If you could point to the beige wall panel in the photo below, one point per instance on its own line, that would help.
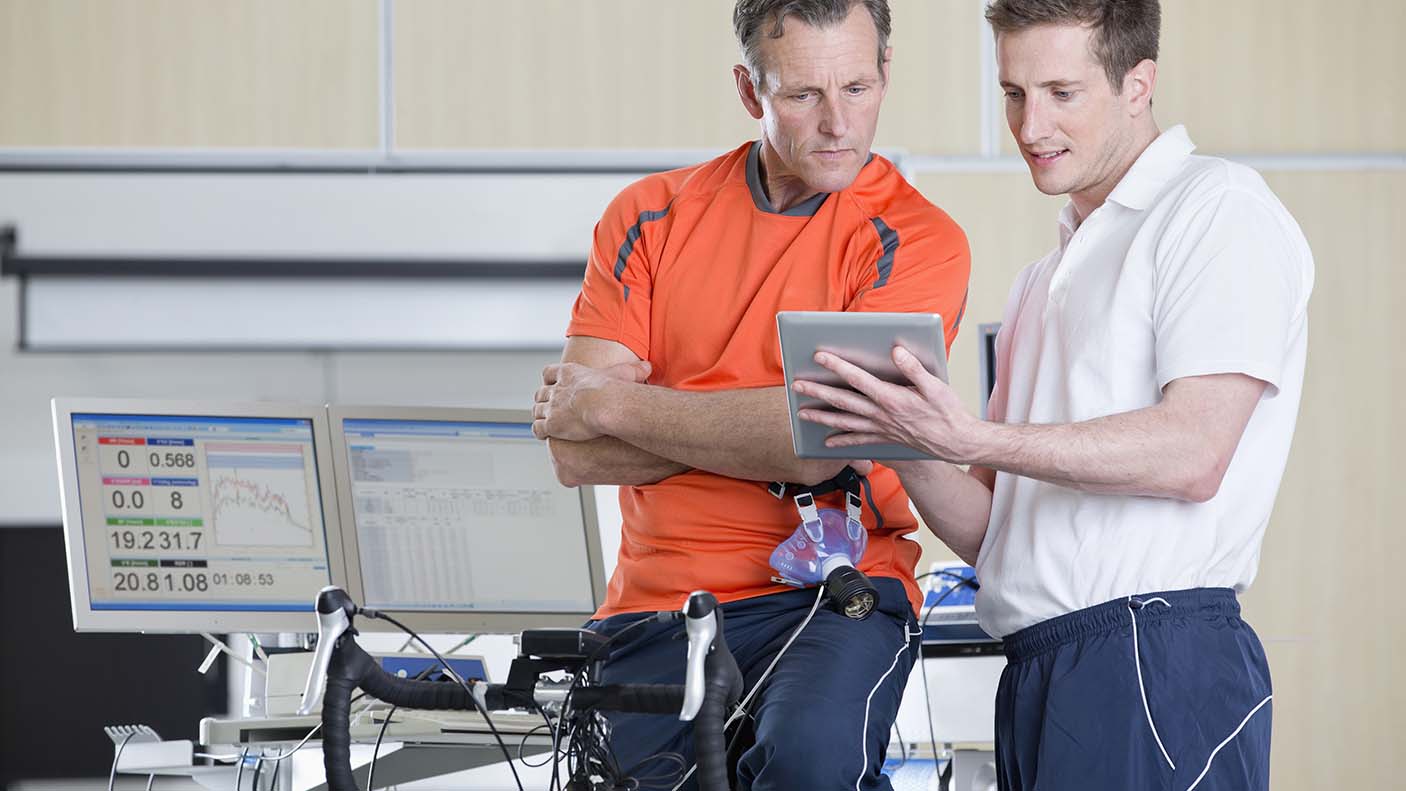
(1270, 77)
(189, 73)
(1326, 600)
(1295, 763)
(1330, 569)
(562, 74)
(932, 105)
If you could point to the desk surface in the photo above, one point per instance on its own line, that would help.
(408, 725)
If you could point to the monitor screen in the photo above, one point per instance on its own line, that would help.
(460, 521)
(215, 521)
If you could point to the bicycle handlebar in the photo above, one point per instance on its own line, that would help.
(352, 667)
(712, 684)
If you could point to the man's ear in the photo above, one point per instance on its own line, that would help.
(1138, 85)
(747, 91)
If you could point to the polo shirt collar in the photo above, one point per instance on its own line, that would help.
(1068, 223)
(1156, 166)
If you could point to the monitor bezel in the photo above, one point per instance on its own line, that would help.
(453, 622)
(86, 619)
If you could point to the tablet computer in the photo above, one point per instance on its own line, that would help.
(866, 339)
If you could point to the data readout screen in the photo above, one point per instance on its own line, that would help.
(464, 516)
(200, 513)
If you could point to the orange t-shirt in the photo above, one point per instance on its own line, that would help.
(688, 269)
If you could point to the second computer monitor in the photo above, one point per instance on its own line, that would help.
(453, 521)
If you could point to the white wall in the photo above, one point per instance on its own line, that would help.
(28, 477)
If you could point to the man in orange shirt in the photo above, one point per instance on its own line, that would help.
(671, 386)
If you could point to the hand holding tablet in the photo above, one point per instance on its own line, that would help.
(867, 340)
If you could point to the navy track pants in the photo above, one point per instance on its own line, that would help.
(1164, 690)
(821, 721)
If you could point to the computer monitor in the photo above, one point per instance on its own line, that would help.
(196, 516)
(454, 521)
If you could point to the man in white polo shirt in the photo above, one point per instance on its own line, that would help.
(1148, 379)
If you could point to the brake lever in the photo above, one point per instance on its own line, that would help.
(335, 610)
(701, 621)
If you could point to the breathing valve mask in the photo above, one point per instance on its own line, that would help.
(824, 550)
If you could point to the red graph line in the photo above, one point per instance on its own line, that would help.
(230, 492)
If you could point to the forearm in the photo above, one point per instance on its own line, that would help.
(954, 504)
(1146, 452)
(607, 460)
(738, 433)
(1178, 448)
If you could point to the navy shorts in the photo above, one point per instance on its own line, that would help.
(821, 721)
(1157, 691)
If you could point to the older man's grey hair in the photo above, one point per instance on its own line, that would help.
(753, 19)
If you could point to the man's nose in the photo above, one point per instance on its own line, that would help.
(1034, 123)
(832, 120)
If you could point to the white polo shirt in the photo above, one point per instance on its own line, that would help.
(1191, 267)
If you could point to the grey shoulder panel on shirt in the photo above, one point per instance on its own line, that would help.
(631, 237)
(888, 237)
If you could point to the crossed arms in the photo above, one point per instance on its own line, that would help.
(604, 425)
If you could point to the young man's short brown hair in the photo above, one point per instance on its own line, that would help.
(1125, 31)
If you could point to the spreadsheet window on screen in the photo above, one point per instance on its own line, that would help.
(199, 513)
(464, 516)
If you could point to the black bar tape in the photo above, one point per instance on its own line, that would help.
(631, 698)
(352, 667)
(411, 694)
(723, 688)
